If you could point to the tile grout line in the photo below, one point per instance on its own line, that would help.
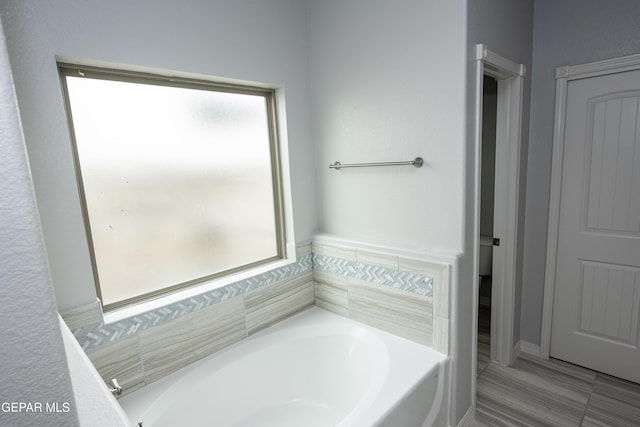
(586, 406)
(584, 413)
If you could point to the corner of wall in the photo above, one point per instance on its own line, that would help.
(32, 351)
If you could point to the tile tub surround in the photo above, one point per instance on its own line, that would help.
(384, 288)
(404, 296)
(144, 348)
(97, 333)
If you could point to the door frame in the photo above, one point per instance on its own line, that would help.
(563, 75)
(510, 77)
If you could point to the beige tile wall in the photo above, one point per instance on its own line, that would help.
(156, 352)
(153, 353)
(424, 319)
(399, 312)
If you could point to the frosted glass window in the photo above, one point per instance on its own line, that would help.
(179, 179)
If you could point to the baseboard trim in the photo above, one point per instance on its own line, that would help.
(517, 350)
(530, 349)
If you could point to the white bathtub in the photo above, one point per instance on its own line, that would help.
(313, 369)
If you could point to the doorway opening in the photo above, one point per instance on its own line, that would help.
(504, 80)
(487, 192)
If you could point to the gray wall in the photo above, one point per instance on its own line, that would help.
(252, 40)
(34, 368)
(567, 32)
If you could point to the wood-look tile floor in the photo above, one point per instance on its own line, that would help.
(537, 392)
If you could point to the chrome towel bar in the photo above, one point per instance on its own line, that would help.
(417, 162)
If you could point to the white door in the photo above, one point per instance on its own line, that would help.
(597, 283)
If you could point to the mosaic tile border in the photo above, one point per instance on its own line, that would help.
(97, 334)
(402, 280)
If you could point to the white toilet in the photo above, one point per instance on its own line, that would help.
(486, 254)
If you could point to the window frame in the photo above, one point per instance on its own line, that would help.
(143, 77)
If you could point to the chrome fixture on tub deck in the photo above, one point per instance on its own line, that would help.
(114, 387)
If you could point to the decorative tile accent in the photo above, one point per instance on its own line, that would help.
(369, 286)
(439, 272)
(398, 293)
(403, 280)
(97, 334)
